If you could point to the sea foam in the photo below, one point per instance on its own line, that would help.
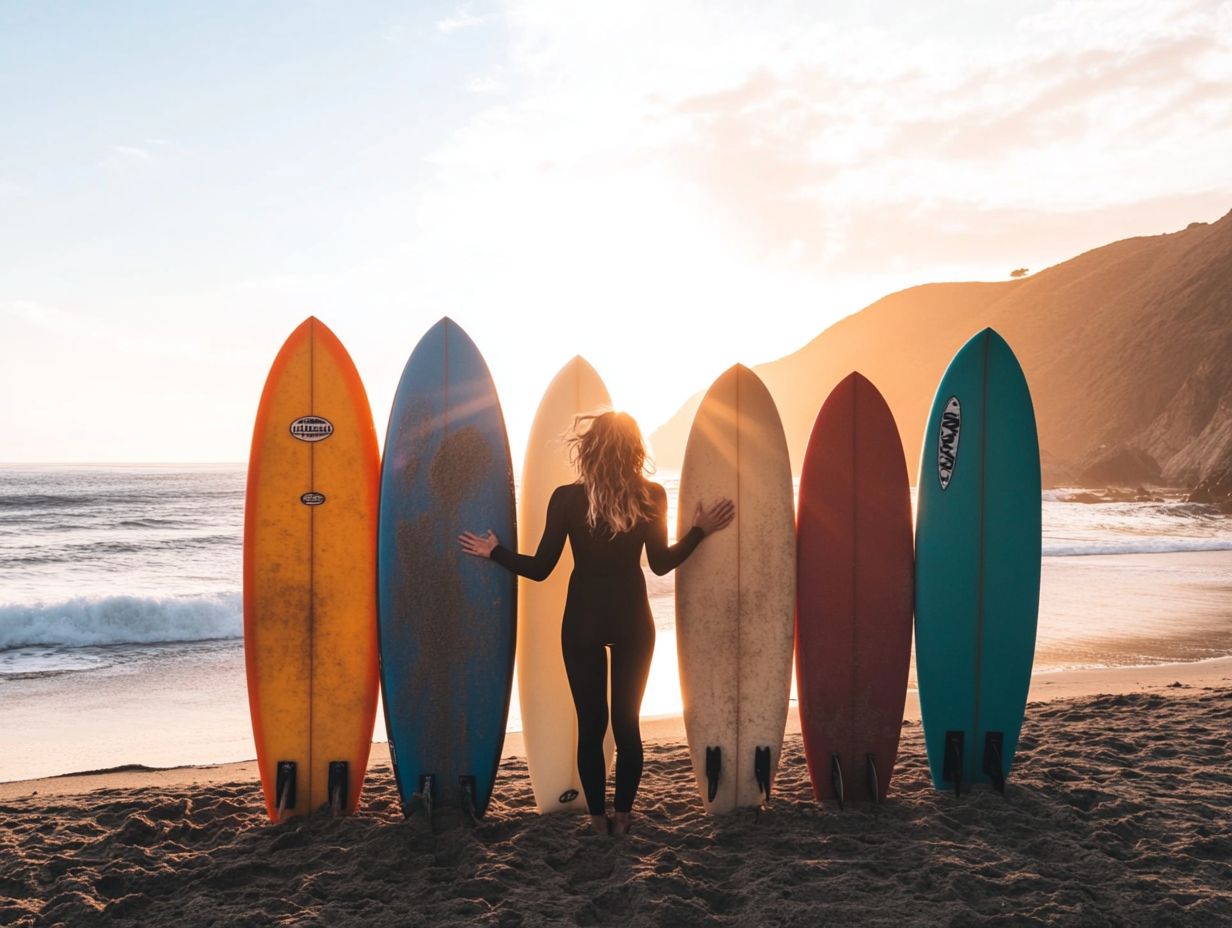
(91, 621)
(1136, 546)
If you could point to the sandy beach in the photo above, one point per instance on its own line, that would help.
(1119, 812)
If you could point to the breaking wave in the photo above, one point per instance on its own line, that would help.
(92, 621)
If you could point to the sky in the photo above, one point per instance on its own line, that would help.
(665, 188)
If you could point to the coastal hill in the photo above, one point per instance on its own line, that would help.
(1127, 349)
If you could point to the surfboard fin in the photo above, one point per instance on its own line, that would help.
(714, 769)
(870, 778)
(761, 770)
(426, 787)
(466, 786)
(339, 783)
(284, 786)
(993, 741)
(836, 779)
(952, 767)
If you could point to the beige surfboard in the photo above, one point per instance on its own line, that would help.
(735, 596)
(549, 721)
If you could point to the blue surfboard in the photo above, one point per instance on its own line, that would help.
(977, 565)
(447, 621)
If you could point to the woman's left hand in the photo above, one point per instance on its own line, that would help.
(478, 545)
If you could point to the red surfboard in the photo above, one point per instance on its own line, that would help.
(855, 594)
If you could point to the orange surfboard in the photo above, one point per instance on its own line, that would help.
(310, 577)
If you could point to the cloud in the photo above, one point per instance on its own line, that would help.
(1118, 24)
(120, 158)
(460, 20)
(151, 149)
(1089, 106)
(130, 152)
(1070, 96)
(39, 315)
(484, 85)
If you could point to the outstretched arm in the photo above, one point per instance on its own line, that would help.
(536, 567)
(663, 557)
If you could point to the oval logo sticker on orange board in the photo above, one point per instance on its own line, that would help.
(312, 498)
(312, 428)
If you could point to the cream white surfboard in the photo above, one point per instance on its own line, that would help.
(735, 596)
(549, 720)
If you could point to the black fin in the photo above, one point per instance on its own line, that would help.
(761, 769)
(339, 786)
(284, 785)
(870, 778)
(952, 767)
(993, 742)
(836, 779)
(714, 769)
(466, 786)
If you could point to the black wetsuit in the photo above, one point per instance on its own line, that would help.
(607, 606)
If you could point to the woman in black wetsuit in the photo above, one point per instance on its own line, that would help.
(608, 516)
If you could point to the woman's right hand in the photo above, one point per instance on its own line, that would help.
(478, 545)
(711, 519)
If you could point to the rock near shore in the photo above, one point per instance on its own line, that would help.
(1215, 490)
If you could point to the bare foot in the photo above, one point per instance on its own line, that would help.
(601, 824)
(620, 823)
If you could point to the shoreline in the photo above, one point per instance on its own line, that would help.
(186, 704)
(1046, 687)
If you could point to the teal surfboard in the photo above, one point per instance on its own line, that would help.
(977, 565)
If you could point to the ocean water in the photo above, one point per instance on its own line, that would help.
(121, 620)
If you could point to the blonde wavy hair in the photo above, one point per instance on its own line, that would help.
(610, 457)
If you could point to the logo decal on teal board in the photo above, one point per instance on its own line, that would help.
(947, 442)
